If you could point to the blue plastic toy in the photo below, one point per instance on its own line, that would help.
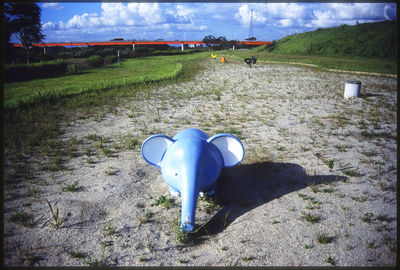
(191, 163)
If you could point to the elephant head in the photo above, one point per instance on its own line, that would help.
(191, 163)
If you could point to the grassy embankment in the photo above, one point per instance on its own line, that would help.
(368, 47)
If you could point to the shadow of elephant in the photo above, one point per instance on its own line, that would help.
(245, 187)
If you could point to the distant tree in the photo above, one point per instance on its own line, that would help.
(222, 40)
(22, 21)
(209, 40)
(217, 43)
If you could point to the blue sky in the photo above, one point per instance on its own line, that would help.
(96, 21)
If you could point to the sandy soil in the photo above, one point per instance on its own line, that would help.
(292, 120)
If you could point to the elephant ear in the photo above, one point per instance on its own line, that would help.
(154, 147)
(231, 148)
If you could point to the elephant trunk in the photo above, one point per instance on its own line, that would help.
(189, 194)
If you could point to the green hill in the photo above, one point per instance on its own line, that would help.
(370, 40)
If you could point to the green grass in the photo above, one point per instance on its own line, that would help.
(371, 245)
(110, 171)
(58, 220)
(308, 246)
(211, 204)
(71, 188)
(330, 260)
(56, 165)
(165, 201)
(367, 217)
(311, 218)
(362, 40)
(146, 218)
(363, 64)
(22, 218)
(325, 238)
(273, 222)
(109, 229)
(76, 254)
(330, 163)
(129, 72)
(352, 173)
(247, 258)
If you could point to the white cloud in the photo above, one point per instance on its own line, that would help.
(278, 14)
(131, 14)
(180, 14)
(49, 26)
(181, 11)
(355, 11)
(218, 17)
(151, 13)
(130, 20)
(323, 19)
(334, 14)
(114, 14)
(56, 6)
(285, 10)
(285, 22)
(244, 15)
(82, 21)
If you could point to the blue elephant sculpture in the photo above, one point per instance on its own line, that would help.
(191, 162)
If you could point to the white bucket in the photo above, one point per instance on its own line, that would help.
(352, 89)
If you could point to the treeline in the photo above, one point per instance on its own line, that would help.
(60, 61)
(54, 68)
(38, 54)
(370, 40)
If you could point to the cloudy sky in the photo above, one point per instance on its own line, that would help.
(76, 21)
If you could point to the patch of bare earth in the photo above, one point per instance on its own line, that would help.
(317, 185)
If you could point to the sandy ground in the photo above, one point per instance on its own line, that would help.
(292, 120)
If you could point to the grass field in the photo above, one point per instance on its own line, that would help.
(129, 72)
(374, 65)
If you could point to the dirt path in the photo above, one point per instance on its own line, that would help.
(282, 206)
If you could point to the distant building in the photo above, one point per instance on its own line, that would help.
(194, 45)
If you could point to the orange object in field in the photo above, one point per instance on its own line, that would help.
(222, 59)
